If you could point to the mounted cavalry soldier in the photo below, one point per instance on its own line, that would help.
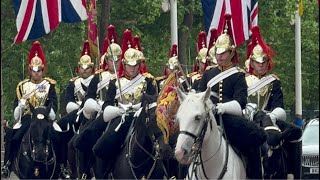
(265, 94)
(75, 96)
(229, 89)
(97, 92)
(34, 91)
(123, 100)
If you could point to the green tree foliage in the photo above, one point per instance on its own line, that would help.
(62, 47)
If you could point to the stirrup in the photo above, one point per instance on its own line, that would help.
(84, 176)
(5, 171)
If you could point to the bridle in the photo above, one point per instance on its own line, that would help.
(154, 155)
(196, 149)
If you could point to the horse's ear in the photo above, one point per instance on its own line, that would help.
(181, 95)
(207, 94)
(49, 108)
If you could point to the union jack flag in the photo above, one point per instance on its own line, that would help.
(244, 15)
(36, 18)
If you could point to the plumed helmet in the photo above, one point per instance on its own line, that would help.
(258, 50)
(36, 60)
(225, 42)
(202, 51)
(202, 48)
(130, 55)
(111, 49)
(114, 50)
(212, 48)
(137, 46)
(173, 61)
(85, 59)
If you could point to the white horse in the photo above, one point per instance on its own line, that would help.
(201, 142)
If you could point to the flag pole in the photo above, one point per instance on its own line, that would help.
(174, 22)
(298, 86)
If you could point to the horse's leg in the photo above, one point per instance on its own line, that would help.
(101, 168)
(72, 158)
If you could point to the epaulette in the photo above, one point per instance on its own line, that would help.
(74, 78)
(52, 81)
(275, 76)
(148, 75)
(192, 74)
(98, 71)
(22, 82)
(160, 78)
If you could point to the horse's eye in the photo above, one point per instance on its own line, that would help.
(197, 118)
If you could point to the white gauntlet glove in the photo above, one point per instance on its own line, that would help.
(90, 107)
(71, 106)
(232, 107)
(277, 114)
(18, 111)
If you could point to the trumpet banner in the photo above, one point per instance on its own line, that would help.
(167, 107)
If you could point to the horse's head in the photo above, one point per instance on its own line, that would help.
(39, 133)
(147, 123)
(192, 117)
(272, 152)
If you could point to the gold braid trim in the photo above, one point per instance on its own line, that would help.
(19, 89)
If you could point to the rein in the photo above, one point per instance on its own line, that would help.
(155, 149)
(197, 147)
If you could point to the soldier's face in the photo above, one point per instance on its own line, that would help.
(259, 68)
(132, 71)
(36, 75)
(223, 58)
(84, 73)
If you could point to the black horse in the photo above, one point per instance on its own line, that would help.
(144, 149)
(36, 156)
(275, 159)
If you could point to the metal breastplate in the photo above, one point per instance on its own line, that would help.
(260, 97)
(135, 94)
(39, 94)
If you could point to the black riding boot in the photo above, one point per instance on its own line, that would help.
(254, 164)
(294, 158)
(9, 152)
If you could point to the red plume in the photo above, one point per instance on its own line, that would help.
(213, 37)
(112, 35)
(173, 51)
(37, 49)
(126, 42)
(136, 42)
(201, 40)
(86, 48)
